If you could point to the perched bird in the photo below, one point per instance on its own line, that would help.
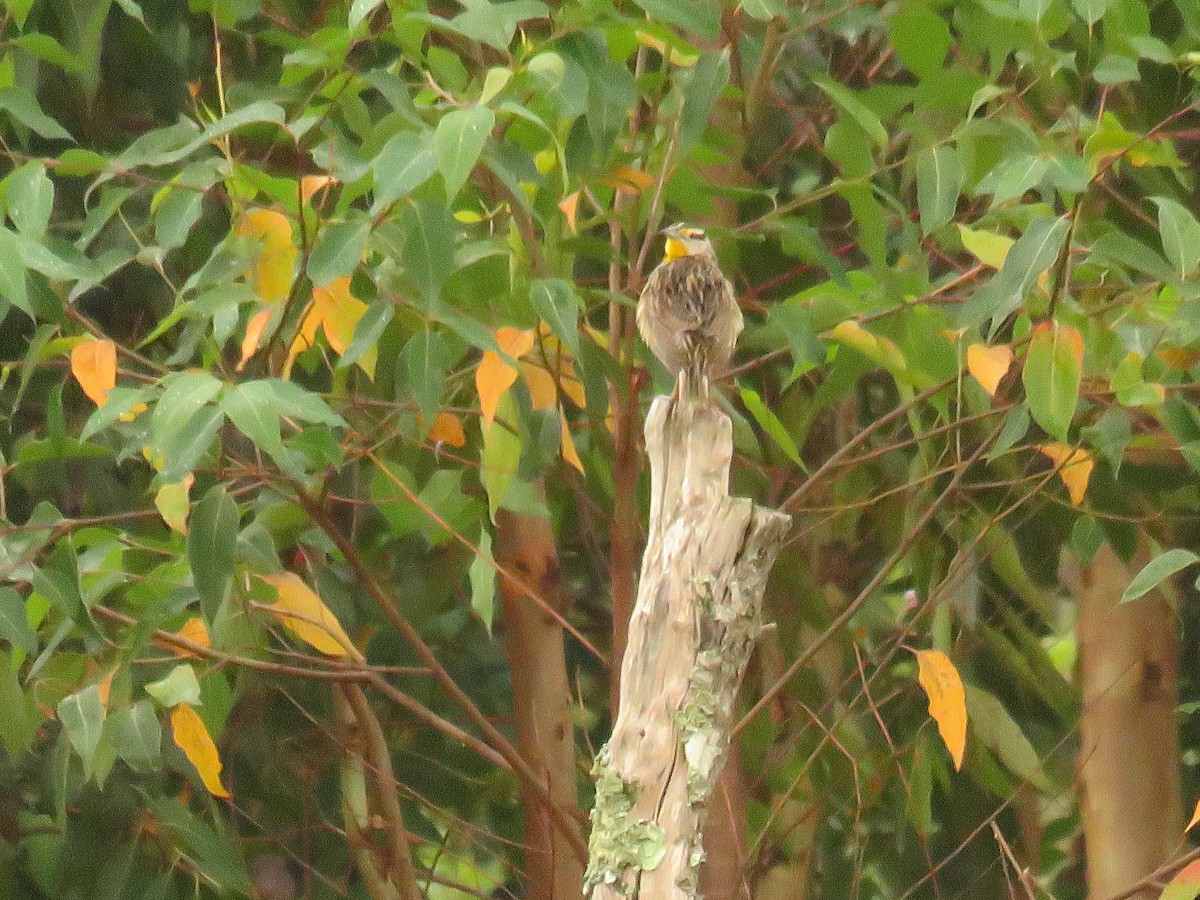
(687, 313)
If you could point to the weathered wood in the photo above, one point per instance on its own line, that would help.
(697, 615)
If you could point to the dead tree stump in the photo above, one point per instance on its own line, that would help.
(697, 616)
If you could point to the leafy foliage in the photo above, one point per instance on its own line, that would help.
(296, 298)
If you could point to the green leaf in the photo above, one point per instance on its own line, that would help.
(295, 402)
(769, 422)
(182, 450)
(338, 250)
(82, 716)
(1033, 253)
(403, 165)
(991, 723)
(184, 393)
(1180, 235)
(701, 85)
(501, 453)
(359, 10)
(458, 141)
(14, 622)
(23, 106)
(1157, 571)
(58, 580)
(764, 10)
(252, 409)
(921, 39)
(174, 217)
(423, 366)
(483, 581)
(555, 300)
(137, 736)
(12, 273)
(368, 331)
(700, 17)
(1091, 11)
(131, 9)
(851, 106)
(179, 686)
(29, 197)
(939, 180)
(211, 546)
(429, 247)
(1052, 373)
(19, 717)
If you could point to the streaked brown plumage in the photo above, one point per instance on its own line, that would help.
(687, 313)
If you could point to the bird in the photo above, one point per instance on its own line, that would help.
(687, 313)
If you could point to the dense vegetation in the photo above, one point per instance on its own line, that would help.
(312, 310)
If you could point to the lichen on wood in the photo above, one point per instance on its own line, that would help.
(694, 625)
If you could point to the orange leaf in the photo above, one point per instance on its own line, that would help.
(542, 390)
(197, 745)
(947, 700)
(304, 614)
(1195, 819)
(570, 208)
(310, 184)
(1074, 466)
(254, 332)
(447, 429)
(570, 454)
(275, 268)
(1187, 878)
(94, 365)
(193, 630)
(494, 376)
(104, 686)
(989, 365)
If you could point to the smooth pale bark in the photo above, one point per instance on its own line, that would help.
(1128, 769)
(697, 615)
(541, 698)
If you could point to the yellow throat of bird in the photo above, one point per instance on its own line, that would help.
(674, 249)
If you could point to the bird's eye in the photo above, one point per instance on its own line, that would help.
(692, 232)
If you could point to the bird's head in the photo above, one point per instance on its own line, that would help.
(685, 240)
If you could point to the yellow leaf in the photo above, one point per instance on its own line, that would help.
(338, 312)
(275, 267)
(990, 249)
(570, 208)
(1195, 817)
(947, 700)
(1074, 466)
(94, 365)
(254, 332)
(989, 364)
(193, 739)
(880, 350)
(172, 503)
(133, 412)
(494, 376)
(447, 429)
(305, 337)
(570, 454)
(304, 614)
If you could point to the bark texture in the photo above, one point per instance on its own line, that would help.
(1128, 768)
(541, 698)
(697, 615)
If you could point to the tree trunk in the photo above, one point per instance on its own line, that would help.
(692, 629)
(1128, 771)
(541, 698)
